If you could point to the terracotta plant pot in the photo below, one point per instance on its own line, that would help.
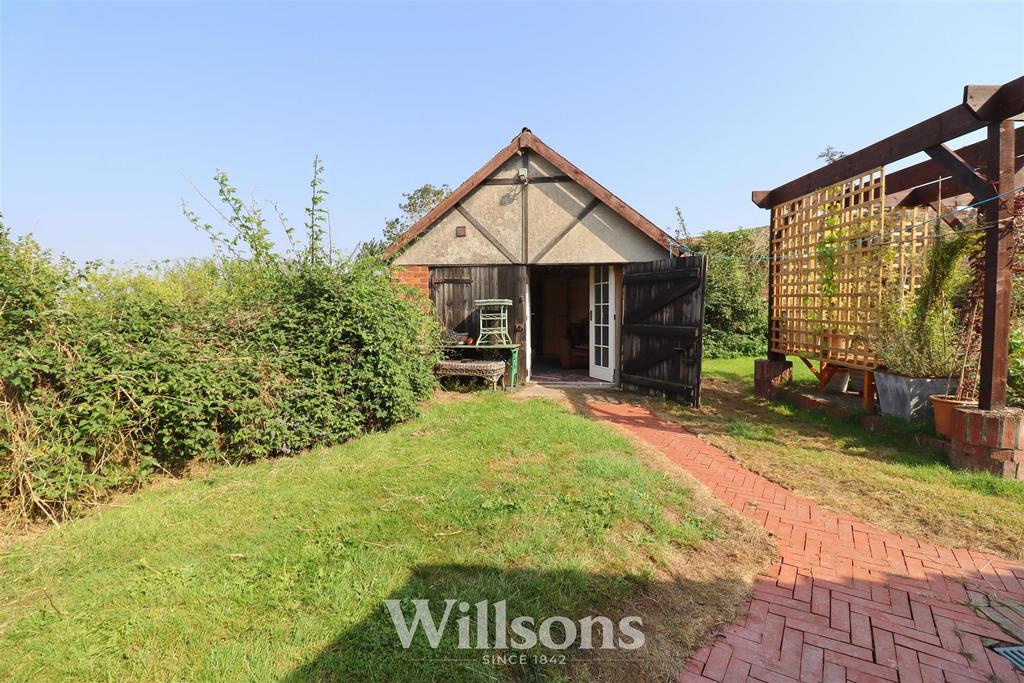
(942, 407)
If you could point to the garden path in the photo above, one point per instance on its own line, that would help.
(845, 601)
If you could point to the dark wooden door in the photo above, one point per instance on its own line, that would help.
(662, 325)
(453, 289)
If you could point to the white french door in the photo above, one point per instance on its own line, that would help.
(603, 328)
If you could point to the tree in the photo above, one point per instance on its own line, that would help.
(831, 154)
(417, 204)
(682, 233)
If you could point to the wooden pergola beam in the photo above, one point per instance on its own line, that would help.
(925, 172)
(951, 220)
(1006, 101)
(950, 124)
(949, 190)
(995, 102)
(994, 108)
(960, 170)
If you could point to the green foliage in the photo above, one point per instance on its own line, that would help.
(744, 429)
(736, 309)
(108, 376)
(920, 334)
(827, 251)
(1015, 380)
(416, 205)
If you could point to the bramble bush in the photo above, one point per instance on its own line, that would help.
(107, 376)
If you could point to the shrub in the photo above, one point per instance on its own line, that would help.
(736, 307)
(920, 334)
(1015, 379)
(108, 375)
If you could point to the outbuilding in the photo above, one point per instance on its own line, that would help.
(598, 291)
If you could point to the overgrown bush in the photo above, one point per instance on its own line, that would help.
(110, 375)
(1015, 378)
(1015, 383)
(736, 305)
(920, 334)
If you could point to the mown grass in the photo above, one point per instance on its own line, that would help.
(279, 569)
(742, 370)
(882, 477)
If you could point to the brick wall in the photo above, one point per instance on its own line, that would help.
(990, 440)
(771, 375)
(414, 276)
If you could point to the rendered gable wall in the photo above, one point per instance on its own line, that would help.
(602, 237)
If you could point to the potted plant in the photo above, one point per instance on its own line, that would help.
(956, 391)
(920, 336)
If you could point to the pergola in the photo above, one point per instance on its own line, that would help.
(985, 172)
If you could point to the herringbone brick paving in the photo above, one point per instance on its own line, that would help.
(845, 601)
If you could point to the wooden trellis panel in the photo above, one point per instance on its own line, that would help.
(834, 250)
(909, 233)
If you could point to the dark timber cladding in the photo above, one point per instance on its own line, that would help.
(528, 210)
(453, 289)
(663, 319)
(953, 176)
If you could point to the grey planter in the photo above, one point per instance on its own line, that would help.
(839, 383)
(907, 397)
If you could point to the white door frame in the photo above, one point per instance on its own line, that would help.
(604, 332)
(529, 328)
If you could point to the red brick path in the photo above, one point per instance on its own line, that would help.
(845, 601)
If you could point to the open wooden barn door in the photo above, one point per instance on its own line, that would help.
(662, 326)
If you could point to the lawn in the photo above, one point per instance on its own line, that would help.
(881, 477)
(742, 370)
(279, 570)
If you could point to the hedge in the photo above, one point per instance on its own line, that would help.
(108, 376)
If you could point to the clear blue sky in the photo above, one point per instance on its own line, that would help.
(110, 111)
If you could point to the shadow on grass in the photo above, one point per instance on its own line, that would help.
(726, 404)
(732, 409)
(677, 617)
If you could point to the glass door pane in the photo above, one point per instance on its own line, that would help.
(601, 318)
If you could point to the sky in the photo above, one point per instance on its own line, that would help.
(112, 114)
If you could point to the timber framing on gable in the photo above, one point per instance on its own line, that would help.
(525, 144)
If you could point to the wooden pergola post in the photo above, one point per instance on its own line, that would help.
(995, 321)
(772, 268)
(987, 436)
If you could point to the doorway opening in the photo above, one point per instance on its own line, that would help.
(562, 330)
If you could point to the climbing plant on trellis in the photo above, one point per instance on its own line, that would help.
(833, 252)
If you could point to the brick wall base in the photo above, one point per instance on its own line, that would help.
(770, 375)
(417, 277)
(988, 440)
